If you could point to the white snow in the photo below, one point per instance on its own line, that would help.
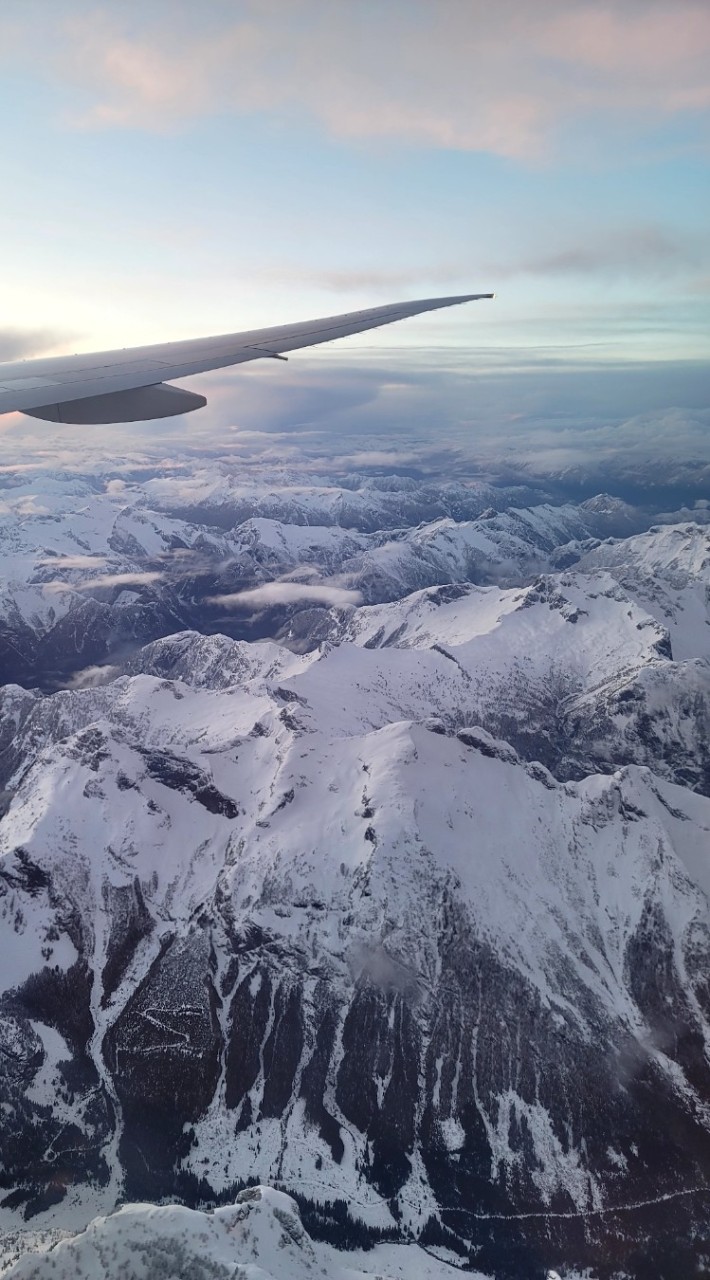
(667, 572)
(261, 1237)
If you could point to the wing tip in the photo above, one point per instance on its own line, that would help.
(455, 299)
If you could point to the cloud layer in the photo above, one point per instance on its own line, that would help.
(501, 78)
(544, 410)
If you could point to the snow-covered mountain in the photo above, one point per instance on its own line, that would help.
(221, 496)
(94, 567)
(667, 572)
(407, 916)
(260, 1237)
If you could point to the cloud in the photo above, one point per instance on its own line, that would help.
(653, 40)
(284, 593)
(10, 468)
(122, 580)
(91, 677)
(387, 458)
(72, 562)
(621, 252)
(300, 399)
(25, 507)
(503, 78)
(106, 580)
(654, 446)
(21, 344)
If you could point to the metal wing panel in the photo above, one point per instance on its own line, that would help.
(29, 384)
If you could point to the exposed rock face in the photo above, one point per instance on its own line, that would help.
(415, 919)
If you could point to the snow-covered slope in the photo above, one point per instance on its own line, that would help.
(571, 670)
(260, 1237)
(374, 961)
(667, 572)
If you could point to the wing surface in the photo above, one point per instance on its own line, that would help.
(53, 387)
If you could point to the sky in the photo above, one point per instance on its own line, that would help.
(175, 170)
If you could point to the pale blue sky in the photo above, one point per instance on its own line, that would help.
(173, 169)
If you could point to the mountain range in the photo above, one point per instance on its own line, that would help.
(365, 859)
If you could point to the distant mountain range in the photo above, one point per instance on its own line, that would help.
(93, 569)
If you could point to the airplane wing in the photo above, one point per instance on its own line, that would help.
(131, 385)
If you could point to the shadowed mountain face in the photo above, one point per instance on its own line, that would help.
(410, 912)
